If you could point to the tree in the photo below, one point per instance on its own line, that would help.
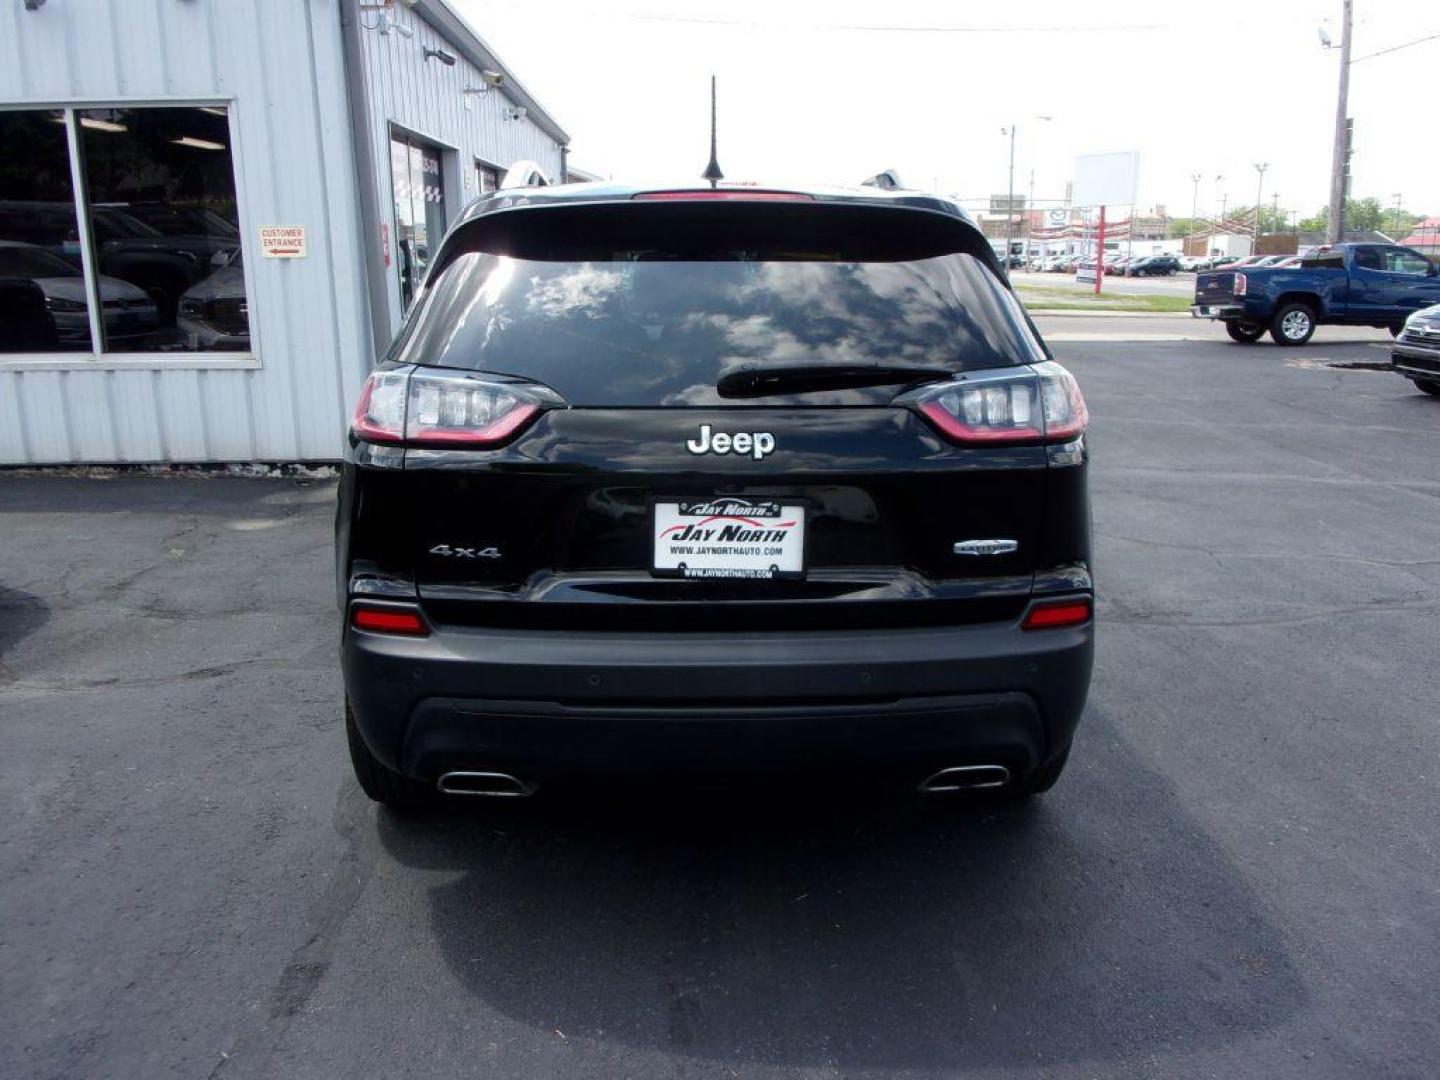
(1365, 214)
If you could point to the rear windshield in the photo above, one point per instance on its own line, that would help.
(662, 325)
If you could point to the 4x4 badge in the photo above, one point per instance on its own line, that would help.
(448, 552)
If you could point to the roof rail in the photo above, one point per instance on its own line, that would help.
(889, 180)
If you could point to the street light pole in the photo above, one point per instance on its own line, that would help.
(1339, 153)
(1260, 167)
(1010, 193)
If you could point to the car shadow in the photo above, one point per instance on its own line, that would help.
(21, 614)
(860, 932)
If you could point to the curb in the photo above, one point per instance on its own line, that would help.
(1072, 313)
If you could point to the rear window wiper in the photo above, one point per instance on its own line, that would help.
(803, 378)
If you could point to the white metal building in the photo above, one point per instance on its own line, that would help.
(212, 213)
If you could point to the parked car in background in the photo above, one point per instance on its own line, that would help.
(1153, 266)
(1356, 284)
(128, 313)
(1416, 352)
(214, 313)
(1191, 263)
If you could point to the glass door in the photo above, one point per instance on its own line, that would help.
(419, 208)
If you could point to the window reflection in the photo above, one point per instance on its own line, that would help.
(161, 186)
(656, 331)
(42, 290)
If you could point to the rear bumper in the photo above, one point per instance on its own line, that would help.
(547, 705)
(1217, 311)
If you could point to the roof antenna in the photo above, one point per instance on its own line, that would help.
(712, 171)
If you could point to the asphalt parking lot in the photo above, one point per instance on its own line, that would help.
(1236, 877)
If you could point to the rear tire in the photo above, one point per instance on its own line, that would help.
(1043, 778)
(1245, 333)
(382, 784)
(1428, 386)
(1294, 324)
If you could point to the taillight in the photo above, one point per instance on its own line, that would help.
(1240, 285)
(380, 414)
(445, 409)
(389, 620)
(1040, 403)
(1054, 614)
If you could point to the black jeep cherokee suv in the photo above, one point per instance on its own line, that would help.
(657, 483)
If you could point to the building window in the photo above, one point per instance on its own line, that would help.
(419, 207)
(129, 245)
(490, 177)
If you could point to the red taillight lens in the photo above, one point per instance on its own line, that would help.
(445, 409)
(1053, 614)
(387, 620)
(380, 413)
(1240, 285)
(1041, 403)
(722, 195)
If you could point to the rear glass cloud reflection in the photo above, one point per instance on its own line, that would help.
(636, 332)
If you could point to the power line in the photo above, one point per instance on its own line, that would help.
(1395, 48)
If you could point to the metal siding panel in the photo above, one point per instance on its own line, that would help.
(44, 405)
(137, 420)
(13, 448)
(182, 415)
(223, 404)
(89, 418)
(185, 40)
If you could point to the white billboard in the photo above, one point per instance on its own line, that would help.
(1105, 179)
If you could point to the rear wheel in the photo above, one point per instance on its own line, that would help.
(1429, 386)
(1294, 324)
(1247, 333)
(1043, 778)
(380, 782)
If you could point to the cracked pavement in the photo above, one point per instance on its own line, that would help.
(1236, 877)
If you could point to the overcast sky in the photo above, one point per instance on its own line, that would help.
(832, 91)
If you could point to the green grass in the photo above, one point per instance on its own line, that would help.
(1042, 298)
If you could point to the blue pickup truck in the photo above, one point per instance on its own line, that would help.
(1350, 284)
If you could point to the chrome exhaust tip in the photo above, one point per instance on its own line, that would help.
(494, 785)
(965, 778)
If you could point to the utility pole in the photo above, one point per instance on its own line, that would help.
(1029, 209)
(1010, 197)
(1219, 178)
(1260, 167)
(1398, 236)
(1194, 209)
(1340, 152)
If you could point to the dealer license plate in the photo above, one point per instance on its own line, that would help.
(728, 538)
